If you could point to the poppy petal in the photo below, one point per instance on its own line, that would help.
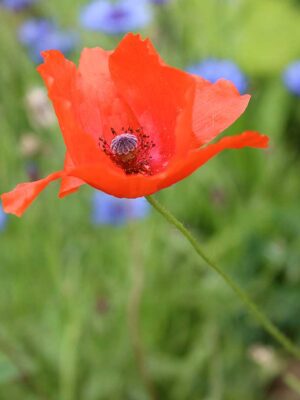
(154, 91)
(100, 107)
(69, 184)
(184, 136)
(200, 156)
(17, 201)
(217, 106)
(59, 75)
(117, 184)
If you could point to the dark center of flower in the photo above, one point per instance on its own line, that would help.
(130, 150)
(124, 144)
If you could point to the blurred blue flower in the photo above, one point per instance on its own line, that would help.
(3, 218)
(16, 5)
(42, 34)
(115, 18)
(214, 69)
(110, 210)
(32, 29)
(291, 77)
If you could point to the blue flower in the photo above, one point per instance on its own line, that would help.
(291, 77)
(16, 5)
(115, 18)
(110, 210)
(214, 69)
(41, 34)
(3, 218)
(32, 29)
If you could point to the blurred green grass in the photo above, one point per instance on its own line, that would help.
(65, 284)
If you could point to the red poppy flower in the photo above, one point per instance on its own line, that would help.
(133, 125)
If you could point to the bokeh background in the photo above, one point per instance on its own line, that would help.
(101, 299)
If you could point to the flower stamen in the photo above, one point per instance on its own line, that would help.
(129, 150)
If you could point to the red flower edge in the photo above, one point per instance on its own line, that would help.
(133, 125)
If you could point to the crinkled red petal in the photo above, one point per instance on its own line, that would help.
(17, 201)
(69, 184)
(99, 105)
(199, 157)
(154, 91)
(118, 185)
(216, 107)
(59, 75)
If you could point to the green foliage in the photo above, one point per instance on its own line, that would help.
(66, 285)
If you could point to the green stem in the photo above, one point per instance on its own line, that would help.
(262, 318)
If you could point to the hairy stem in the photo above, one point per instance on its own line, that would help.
(252, 307)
